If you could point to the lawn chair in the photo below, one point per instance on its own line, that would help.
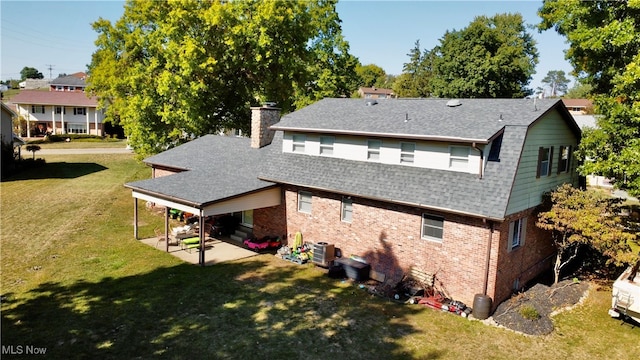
(160, 236)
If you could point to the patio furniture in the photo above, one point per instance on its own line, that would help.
(160, 236)
(190, 243)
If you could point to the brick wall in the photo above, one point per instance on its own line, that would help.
(389, 237)
(521, 265)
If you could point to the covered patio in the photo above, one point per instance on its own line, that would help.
(217, 251)
(266, 197)
(207, 177)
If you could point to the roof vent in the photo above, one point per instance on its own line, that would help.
(453, 103)
(371, 102)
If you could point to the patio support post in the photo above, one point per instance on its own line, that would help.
(166, 227)
(135, 218)
(201, 234)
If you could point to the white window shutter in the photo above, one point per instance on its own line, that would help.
(509, 239)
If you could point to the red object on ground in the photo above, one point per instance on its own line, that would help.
(255, 244)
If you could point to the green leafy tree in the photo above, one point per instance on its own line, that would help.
(371, 75)
(579, 91)
(578, 218)
(556, 81)
(604, 48)
(30, 73)
(415, 80)
(171, 71)
(494, 57)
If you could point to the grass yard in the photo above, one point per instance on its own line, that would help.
(76, 283)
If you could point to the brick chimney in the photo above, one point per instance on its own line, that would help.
(261, 119)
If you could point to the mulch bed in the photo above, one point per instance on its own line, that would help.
(546, 300)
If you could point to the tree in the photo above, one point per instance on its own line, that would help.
(371, 75)
(556, 81)
(584, 218)
(604, 49)
(579, 91)
(415, 80)
(494, 57)
(33, 149)
(171, 71)
(30, 73)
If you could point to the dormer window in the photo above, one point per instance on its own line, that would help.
(298, 143)
(326, 145)
(373, 150)
(407, 151)
(459, 157)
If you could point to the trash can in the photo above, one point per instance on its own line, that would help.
(481, 306)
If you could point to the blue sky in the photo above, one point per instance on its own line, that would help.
(58, 34)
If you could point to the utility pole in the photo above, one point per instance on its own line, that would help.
(50, 67)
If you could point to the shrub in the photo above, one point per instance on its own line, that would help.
(529, 312)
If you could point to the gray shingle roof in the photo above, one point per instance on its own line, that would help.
(475, 119)
(219, 167)
(222, 167)
(437, 189)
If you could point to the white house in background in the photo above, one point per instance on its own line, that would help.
(59, 112)
(6, 129)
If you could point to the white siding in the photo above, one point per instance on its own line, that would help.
(433, 155)
(527, 191)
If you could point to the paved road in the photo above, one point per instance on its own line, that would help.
(82, 151)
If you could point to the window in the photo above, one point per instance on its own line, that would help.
(37, 109)
(458, 157)
(517, 230)
(544, 161)
(72, 88)
(373, 150)
(494, 151)
(406, 152)
(564, 159)
(347, 209)
(298, 143)
(79, 111)
(382, 96)
(61, 110)
(59, 88)
(326, 145)
(304, 202)
(76, 128)
(432, 227)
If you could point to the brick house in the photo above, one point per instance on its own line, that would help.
(448, 187)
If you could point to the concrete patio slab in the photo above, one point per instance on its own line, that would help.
(216, 251)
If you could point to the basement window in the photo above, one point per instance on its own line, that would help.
(432, 227)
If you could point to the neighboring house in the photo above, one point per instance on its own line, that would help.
(74, 82)
(375, 93)
(578, 106)
(59, 112)
(32, 84)
(6, 129)
(447, 187)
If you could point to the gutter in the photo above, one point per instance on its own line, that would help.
(481, 167)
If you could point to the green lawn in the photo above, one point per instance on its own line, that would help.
(74, 281)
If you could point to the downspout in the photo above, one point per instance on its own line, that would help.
(473, 145)
(488, 257)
